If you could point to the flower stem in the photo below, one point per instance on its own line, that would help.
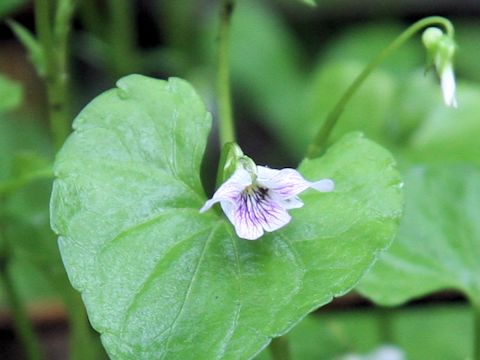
(22, 325)
(52, 35)
(318, 146)
(280, 349)
(227, 133)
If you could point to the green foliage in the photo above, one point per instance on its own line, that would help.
(362, 42)
(125, 204)
(32, 46)
(24, 216)
(429, 332)
(438, 244)
(309, 2)
(450, 134)
(271, 80)
(9, 6)
(368, 111)
(11, 94)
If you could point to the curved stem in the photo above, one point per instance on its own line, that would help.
(317, 147)
(227, 133)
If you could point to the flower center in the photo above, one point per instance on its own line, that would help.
(255, 191)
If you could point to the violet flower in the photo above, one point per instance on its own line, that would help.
(258, 202)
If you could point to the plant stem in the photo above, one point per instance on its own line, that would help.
(279, 348)
(384, 318)
(91, 18)
(22, 325)
(121, 36)
(227, 132)
(53, 39)
(317, 147)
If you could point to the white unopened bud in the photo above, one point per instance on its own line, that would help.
(441, 50)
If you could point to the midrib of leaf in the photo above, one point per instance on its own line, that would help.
(189, 289)
(231, 331)
(154, 272)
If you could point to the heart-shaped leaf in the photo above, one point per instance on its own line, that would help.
(438, 243)
(160, 280)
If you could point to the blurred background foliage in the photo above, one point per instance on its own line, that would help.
(290, 63)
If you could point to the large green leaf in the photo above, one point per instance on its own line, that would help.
(438, 244)
(161, 280)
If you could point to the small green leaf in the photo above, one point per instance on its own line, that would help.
(438, 244)
(31, 44)
(11, 94)
(160, 280)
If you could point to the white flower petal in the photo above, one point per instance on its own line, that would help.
(324, 185)
(448, 85)
(285, 183)
(231, 189)
(291, 203)
(229, 210)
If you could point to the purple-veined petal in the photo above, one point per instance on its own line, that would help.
(256, 212)
(231, 189)
(287, 183)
